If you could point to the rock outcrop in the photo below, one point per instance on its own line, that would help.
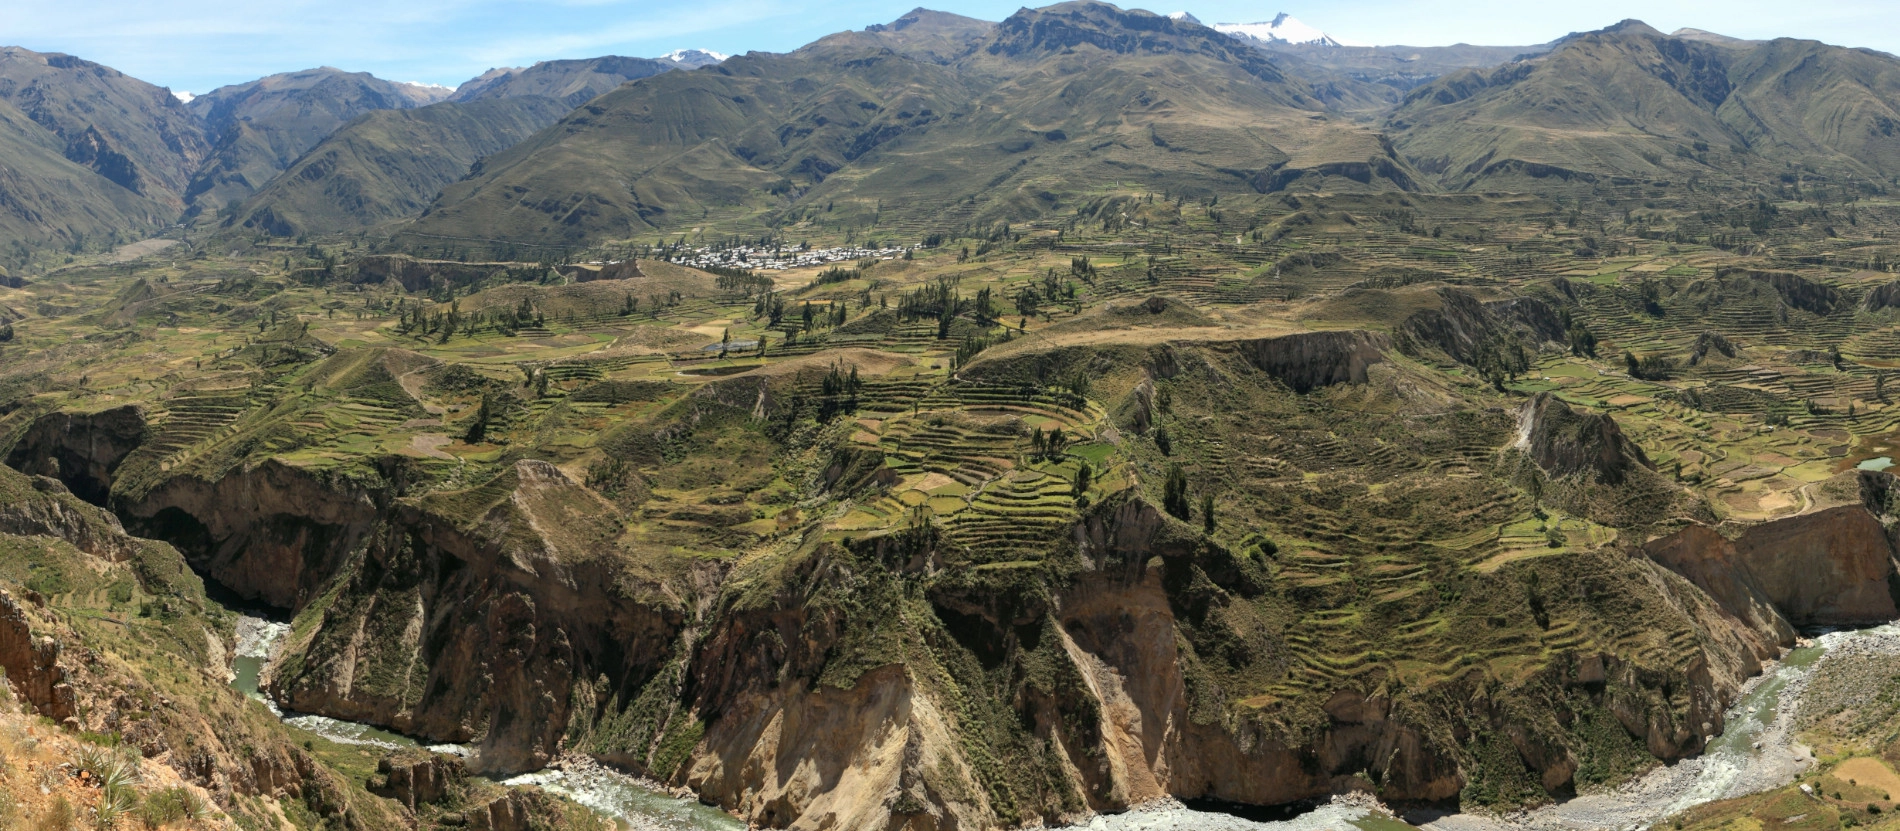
(1832, 567)
(1472, 332)
(1311, 360)
(418, 777)
(1565, 443)
(1710, 561)
(49, 510)
(1712, 345)
(426, 275)
(32, 664)
(1883, 296)
(271, 533)
(80, 449)
(476, 615)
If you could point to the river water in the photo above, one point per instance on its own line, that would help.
(1756, 751)
(639, 806)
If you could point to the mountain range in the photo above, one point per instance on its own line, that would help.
(931, 120)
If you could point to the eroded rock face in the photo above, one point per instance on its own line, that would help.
(1711, 562)
(1310, 360)
(80, 449)
(60, 514)
(481, 627)
(272, 533)
(1564, 442)
(1710, 345)
(1462, 327)
(421, 275)
(1115, 712)
(417, 778)
(32, 665)
(1830, 567)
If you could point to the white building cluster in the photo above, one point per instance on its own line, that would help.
(780, 259)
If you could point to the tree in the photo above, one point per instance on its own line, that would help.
(1084, 476)
(1162, 442)
(1174, 498)
(478, 430)
(1583, 342)
(1207, 512)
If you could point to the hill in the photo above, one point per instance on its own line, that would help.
(51, 202)
(1629, 101)
(1399, 67)
(574, 82)
(901, 126)
(133, 133)
(388, 164)
(261, 126)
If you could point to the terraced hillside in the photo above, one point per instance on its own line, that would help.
(955, 425)
(1306, 476)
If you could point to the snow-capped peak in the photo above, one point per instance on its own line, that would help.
(1282, 29)
(183, 96)
(694, 58)
(1183, 17)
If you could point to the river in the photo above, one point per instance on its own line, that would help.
(1756, 751)
(638, 806)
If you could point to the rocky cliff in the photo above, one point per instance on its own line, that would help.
(272, 533)
(81, 449)
(1585, 464)
(1311, 360)
(483, 615)
(1566, 443)
(1003, 698)
(1833, 566)
(1475, 333)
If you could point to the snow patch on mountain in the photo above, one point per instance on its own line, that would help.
(694, 58)
(1283, 28)
(425, 93)
(183, 96)
(1184, 17)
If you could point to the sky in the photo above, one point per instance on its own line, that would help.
(197, 45)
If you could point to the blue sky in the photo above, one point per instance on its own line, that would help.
(199, 44)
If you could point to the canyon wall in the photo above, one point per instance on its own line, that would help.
(1833, 566)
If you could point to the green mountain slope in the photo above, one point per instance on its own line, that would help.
(937, 37)
(47, 200)
(1833, 107)
(264, 125)
(574, 82)
(1054, 105)
(133, 133)
(1612, 102)
(1628, 101)
(388, 164)
(1399, 67)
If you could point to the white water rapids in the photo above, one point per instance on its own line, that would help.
(1756, 751)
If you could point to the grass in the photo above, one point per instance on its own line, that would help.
(1403, 540)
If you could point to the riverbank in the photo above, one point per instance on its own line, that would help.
(638, 804)
(1758, 750)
